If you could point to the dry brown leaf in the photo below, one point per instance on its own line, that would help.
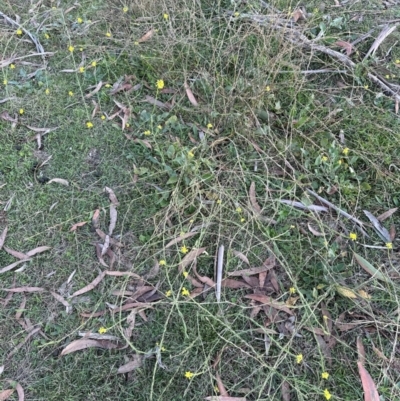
(180, 238)
(387, 214)
(190, 95)
(285, 391)
(96, 108)
(59, 181)
(298, 14)
(148, 35)
(194, 282)
(25, 289)
(155, 102)
(99, 254)
(153, 271)
(370, 390)
(111, 196)
(253, 198)
(81, 344)
(113, 219)
(264, 299)
(93, 314)
(345, 45)
(132, 365)
(144, 142)
(37, 250)
(3, 237)
(6, 117)
(196, 292)
(123, 87)
(20, 392)
(324, 348)
(222, 398)
(76, 225)
(251, 272)
(98, 87)
(95, 218)
(234, 284)
(327, 317)
(315, 330)
(189, 258)
(21, 344)
(346, 292)
(241, 256)
(103, 236)
(5, 394)
(315, 232)
(221, 387)
(13, 265)
(90, 286)
(16, 254)
(392, 232)
(121, 274)
(360, 351)
(59, 298)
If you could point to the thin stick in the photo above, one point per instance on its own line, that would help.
(39, 47)
(220, 266)
(386, 31)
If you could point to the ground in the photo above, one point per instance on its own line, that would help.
(187, 126)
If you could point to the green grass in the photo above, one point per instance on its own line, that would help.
(270, 124)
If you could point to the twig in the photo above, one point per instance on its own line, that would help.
(39, 47)
(362, 37)
(386, 31)
(220, 266)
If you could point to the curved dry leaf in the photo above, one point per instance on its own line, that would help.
(113, 219)
(264, 299)
(251, 272)
(3, 237)
(392, 232)
(148, 35)
(180, 238)
(379, 228)
(345, 45)
(93, 314)
(111, 196)
(298, 14)
(155, 102)
(129, 306)
(105, 246)
(103, 236)
(387, 214)
(5, 394)
(59, 181)
(59, 298)
(132, 365)
(360, 351)
(99, 248)
(98, 87)
(234, 284)
(315, 232)
(16, 254)
(369, 387)
(20, 392)
(221, 387)
(76, 225)
(241, 256)
(81, 344)
(15, 264)
(25, 289)
(37, 250)
(253, 199)
(369, 268)
(6, 117)
(190, 257)
(95, 218)
(285, 391)
(120, 274)
(1, 369)
(90, 286)
(224, 398)
(43, 131)
(314, 208)
(190, 95)
(346, 292)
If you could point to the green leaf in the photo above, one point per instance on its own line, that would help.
(369, 268)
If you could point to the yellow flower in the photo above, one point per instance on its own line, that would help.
(127, 125)
(185, 274)
(81, 69)
(387, 76)
(325, 375)
(89, 124)
(239, 210)
(324, 159)
(327, 394)
(397, 61)
(268, 88)
(71, 48)
(292, 290)
(162, 262)
(81, 49)
(299, 358)
(19, 31)
(136, 43)
(340, 161)
(219, 201)
(168, 293)
(389, 245)
(160, 84)
(108, 34)
(21, 111)
(107, 85)
(353, 236)
(159, 126)
(47, 91)
(102, 330)
(346, 151)
(147, 132)
(5, 82)
(79, 20)
(236, 14)
(125, 9)
(366, 86)
(190, 154)
(12, 66)
(242, 220)
(94, 63)
(70, 93)
(166, 16)
(189, 375)
(209, 125)
(185, 292)
(103, 117)
(184, 250)
(46, 35)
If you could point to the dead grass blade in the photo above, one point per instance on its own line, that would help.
(223, 398)
(253, 199)
(221, 387)
(387, 214)
(20, 392)
(360, 351)
(103, 236)
(265, 300)
(98, 87)
(379, 228)
(61, 299)
(285, 391)
(251, 272)
(6, 99)
(180, 238)
(386, 31)
(1, 369)
(59, 181)
(105, 246)
(314, 231)
(42, 131)
(189, 258)
(121, 274)
(3, 237)
(132, 305)
(148, 35)
(81, 344)
(241, 256)
(25, 289)
(113, 219)
(99, 248)
(234, 284)
(190, 95)
(5, 394)
(76, 225)
(90, 286)
(21, 344)
(37, 250)
(369, 387)
(13, 265)
(16, 254)
(95, 219)
(6, 117)
(155, 102)
(369, 268)
(111, 196)
(131, 365)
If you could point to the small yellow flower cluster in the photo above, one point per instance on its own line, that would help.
(71, 48)
(162, 262)
(292, 290)
(168, 293)
(189, 375)
(184, 250)
(299, 358)
(70, 93)
(327, 394)
(160, 84)
(389, 245)
(166, 17)
(81, 69)
(21, 111)
(325, 375)
(209, 125)
(185, 292)
(102, 330)
(190, 154)
(19, 32)
(185, 274)
(353, 236)
(12, 66)
(125, 9)
(324, 159)
(108, 34)
(79, 20)
(346, 151)
(89, 124)
(47, 91)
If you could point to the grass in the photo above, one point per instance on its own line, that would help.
(263, 121)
